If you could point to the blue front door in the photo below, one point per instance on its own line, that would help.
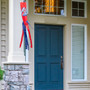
(48, 52)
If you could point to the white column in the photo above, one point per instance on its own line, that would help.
(16, 54)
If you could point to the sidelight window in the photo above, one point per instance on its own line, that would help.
(79, 52)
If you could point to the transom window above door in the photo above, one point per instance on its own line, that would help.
(53, 7)
(79, 8)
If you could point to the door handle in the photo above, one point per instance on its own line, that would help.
(61, 62)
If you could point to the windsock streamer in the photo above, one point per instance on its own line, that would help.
(25, 26)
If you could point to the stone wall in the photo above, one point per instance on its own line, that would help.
(16, 77)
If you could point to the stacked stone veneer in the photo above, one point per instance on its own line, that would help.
(16, 77)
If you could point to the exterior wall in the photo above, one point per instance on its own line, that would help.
(3, 31)
(53, 20)
(16, 77)
(0, 38)
(66, 21)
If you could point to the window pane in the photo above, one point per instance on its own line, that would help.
(81, 13)
(81, 5)
(38, 2)
(74, 4)
(60, 11)
(60, 3)
(52, 10)
(46, 2)
(77, 52)
(46, 10)
(38, 9)
(53, 3)
(74, 12)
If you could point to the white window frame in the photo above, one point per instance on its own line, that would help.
(85, 52)
(85, 13)
(65, 10)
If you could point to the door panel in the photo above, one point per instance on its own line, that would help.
(54, 42)
(41, 42)
(48, 50)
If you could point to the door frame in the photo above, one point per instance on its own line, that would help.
(64, 27)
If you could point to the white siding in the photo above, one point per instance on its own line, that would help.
(4, 30)
(0, 31)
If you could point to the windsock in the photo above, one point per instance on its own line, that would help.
(25, 26)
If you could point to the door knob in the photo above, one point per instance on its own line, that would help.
(61, 62)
